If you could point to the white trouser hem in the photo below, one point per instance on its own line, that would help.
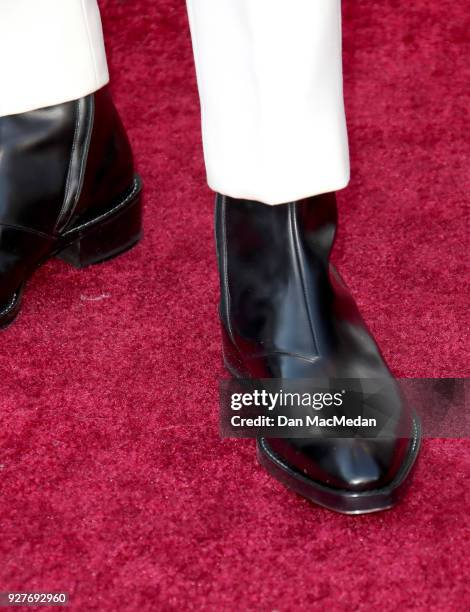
(316, 188)
(53, 52)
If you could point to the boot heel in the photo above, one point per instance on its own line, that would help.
(108, 236)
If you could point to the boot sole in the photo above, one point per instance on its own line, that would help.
(96, 241)
(342, 501)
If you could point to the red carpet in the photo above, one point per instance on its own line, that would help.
(115, 484)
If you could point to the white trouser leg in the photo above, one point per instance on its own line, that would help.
(51, 51)
(270, 83)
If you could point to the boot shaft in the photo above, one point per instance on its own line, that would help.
(62, 163)
(273, 264)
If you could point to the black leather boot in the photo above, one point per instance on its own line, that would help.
(67, 189)
(286, 314)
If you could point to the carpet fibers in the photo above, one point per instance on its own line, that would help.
(115, 485)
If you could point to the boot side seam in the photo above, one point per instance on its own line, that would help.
(294, 231)
(69, 171)
(78, 160)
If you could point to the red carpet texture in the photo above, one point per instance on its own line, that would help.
(115, 485)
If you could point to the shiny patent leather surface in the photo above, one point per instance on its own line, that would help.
(59, 167)
(286, 313)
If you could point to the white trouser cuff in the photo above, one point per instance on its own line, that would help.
(52, 51)
(270, 83)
